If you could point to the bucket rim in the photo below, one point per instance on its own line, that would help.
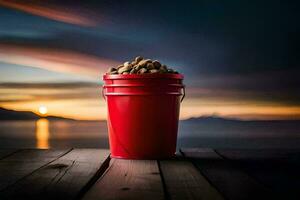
(141, 76)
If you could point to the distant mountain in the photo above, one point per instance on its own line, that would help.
(217, 119)
(6, 114)
(217, 127)
(211, 118)
(217, 132)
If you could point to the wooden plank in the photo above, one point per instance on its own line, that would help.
(6, 152)
(278, 155)
(201, 153)
(64, 178)
(229, 179)
(183, 181)
(277, 169)
(22, 163)
(128, 179)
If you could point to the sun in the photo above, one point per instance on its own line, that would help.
(43, 110)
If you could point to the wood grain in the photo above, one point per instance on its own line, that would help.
(276, 169)
(265, 155)
(6, 152)
(23, 163)
(183, 181)
(62, 179)
(229, 179)
(129, 179)
(200, 174)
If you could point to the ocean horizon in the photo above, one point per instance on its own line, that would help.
(202, 132)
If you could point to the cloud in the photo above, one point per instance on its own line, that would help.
(51, 11)
(275, 87)
(14, 92)
(80, 95)
(58, 60)
(41, 85)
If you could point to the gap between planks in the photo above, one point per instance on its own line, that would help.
(184, 181)
(229, 179)
(68, 177)
(152, 179)
(276, 169)
(128, 179)
(23, 163)
(4, 153)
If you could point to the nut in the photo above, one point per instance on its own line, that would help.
(138, 59)
(126, 64)
(124, 69)
(141, 66)
(169, 70)
(114, 72)
(133, 63)
(120, 66)
(137, 67)
(142, 71)
(153, 71)
(110, 70)
(133, 71)
(156, 64)
(150, 66)
(163, 69)
(144, 62)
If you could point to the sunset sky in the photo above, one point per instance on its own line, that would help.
(240, 59)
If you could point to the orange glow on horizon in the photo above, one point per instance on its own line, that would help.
(96, 110)
(246, 112)
(93, 109)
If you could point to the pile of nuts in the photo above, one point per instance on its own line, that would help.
(141, 66)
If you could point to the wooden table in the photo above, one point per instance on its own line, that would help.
(194, 174)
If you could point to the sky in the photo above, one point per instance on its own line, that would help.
(239, 58)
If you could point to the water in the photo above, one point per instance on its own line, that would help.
(45, 134)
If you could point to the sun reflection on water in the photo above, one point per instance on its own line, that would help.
(42, 134)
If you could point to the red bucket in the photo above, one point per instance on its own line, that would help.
(143, 112)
